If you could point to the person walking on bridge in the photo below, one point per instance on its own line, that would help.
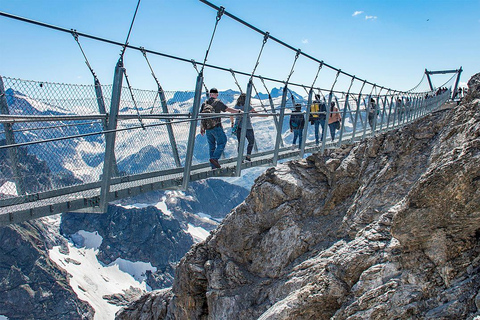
(297, 122)
(212, 126)
(334, 120)
(249, 134)
(317, 116)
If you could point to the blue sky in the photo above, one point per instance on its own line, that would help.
(386, 42)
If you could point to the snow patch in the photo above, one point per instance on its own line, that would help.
(3, 317)
(9, 188)
(137, 270)
(91, 281)
(162, 206)
(89, 240)
(198, 233)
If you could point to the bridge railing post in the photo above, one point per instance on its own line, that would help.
(382, 113)
(279, 138)
(110, 136)
(243, 130)
(327, 118)
(171, 136)
(192, 132)
(344, 114)
(357, 112)
(10, 140)
(305, 128)
(103, 110)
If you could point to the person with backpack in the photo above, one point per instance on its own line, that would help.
(317, 117)
(297, 122)
(372, 113)
(212, 126)
(334, 120)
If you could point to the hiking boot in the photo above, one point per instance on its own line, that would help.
(215, 163)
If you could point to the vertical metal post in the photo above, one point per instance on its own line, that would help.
(327, 117)
(10, 140)
(454, 93)
(305, 128)
(382, 118)
(429, 80)
(193, 131)
(390, 113)
(275, 117)
(367, 123)
(243, 131)
(110, 136)
(102, 110)
(417, 112)
(344, 115)
(357, 112)
(171, 136)
(278, 139)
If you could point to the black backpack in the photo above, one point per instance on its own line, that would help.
(208, 121)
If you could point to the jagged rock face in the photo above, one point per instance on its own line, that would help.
(386, 228)
(31, 286)
(145, 235)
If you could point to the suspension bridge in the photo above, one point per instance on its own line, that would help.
(71, 147)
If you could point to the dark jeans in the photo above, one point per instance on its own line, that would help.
(298, 133)
(372, 120)
(250, 138)
(217, 140)
(332, 130)
(317, 123)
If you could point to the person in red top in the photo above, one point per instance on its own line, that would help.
(334, 120)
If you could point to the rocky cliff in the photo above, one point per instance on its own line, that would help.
(385, 228)
(32, 286)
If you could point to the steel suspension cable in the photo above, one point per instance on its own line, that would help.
(236, 82)
(293, 66)
(318, 72)
(129, 30)
(259, 99)
(159, 87)
(220, 12)
(75, 36)
(133, 99)
(198, 73)
(265, 39)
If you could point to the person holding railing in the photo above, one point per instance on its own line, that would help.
(212, 126)
(297, 123)
(237, 126)
(372, 113)
(317, 116)
(334, 120)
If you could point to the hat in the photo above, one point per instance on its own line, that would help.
(213, 90)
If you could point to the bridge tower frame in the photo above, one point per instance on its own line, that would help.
(457, 71)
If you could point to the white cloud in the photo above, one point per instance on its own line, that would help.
(370, 17)
(305, 41)
(356, 13)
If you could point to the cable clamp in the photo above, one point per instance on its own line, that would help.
(265, 38)
(220, 12)
(74, 34)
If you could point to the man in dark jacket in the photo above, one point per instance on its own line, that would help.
(297, 122)
(216, 136)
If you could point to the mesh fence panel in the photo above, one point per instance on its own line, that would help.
(60, 163)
